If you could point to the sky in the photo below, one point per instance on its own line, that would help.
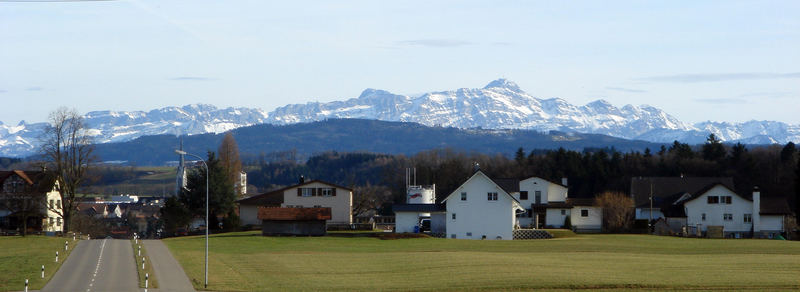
(697, 60)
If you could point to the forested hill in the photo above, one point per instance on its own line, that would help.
(349, 135)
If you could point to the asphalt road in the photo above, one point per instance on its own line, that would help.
(169, 273)
(97, 265)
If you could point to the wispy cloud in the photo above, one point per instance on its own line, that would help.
(721, 100)
(694, 78)
(191, 78)
(3, 91)
(34, 88)
(631, 90)
(435, 43)
(781, 94)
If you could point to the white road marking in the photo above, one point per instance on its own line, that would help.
(97, 268)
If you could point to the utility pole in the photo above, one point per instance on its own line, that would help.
(650, 223)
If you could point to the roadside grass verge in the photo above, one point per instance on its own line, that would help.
(148, 266)
(22, 258)
(246, 261)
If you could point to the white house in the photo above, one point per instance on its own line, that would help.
(31, 195)
(481, 209)
(650, 194)
(717, 205)
(539, 195)
(306, 194)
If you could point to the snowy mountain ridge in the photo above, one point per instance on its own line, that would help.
(499, 105)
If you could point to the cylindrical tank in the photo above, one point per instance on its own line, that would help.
(420, 195)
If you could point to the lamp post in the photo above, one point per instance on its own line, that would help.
(181, 152)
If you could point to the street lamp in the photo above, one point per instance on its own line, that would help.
(181, 152)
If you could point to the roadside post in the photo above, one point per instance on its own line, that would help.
(143, 260)
(140, 250)
(56, 256)
(42, 271)
(26, 285)
(146, 280)
(66, 245)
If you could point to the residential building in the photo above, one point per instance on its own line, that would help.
(481, 208)
(306, 194)
(665, 189)
(31, 199)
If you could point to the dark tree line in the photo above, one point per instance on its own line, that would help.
(775, 169)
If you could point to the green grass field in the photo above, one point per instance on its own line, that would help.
(22, 258)
(148, 267)
(248, 262)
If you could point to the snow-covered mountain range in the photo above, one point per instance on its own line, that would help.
(499, 105)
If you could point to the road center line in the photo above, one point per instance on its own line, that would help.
(97, 268)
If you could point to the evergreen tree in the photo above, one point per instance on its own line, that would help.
(713, 149)
(221, 195)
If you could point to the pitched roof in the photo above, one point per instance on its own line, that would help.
(275, 197)
(514, 200)
(664, 187)
(38, 181)
(774, 206)
(510, 185)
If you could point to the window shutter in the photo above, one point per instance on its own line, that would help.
(333, 192)
(314, 192)
(299, 192)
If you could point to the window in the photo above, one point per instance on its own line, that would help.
(538, 195)
(523, 195)
(306, 192)
(58, 204)
(453, 235)
(51, 220)
(748, 218)
(328, 192)
(584, 213)
(703, 216)
(453, 216)
(463, 196)
(713, 200)
(58, 221)
(51, 204)
(727, 217)
(563, 212)
(727, 200)
(491, 196)
(469, 234)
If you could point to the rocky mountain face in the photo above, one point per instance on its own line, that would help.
(499, 105)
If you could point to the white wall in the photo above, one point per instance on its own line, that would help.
(56, 197)
(551, 192)
(593, 221)
(477, 215)
(554, 218)
(248, 214)
(772, 223)
(714, 212)
(405, 221)
(341, 205)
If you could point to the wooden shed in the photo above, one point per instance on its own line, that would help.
(293, 221)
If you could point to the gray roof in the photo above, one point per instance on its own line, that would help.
(664, 187)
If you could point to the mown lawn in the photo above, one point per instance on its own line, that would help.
(249, 262)
(22, 258)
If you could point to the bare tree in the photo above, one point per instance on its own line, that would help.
(370, 198)
(67, 149)
(617, 210)
(230, 162)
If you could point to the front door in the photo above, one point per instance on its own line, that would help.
(540, 222)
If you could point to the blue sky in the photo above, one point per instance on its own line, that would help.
(698, 60)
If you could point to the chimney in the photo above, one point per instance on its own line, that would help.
(564, 181)
(302, 179)
(756, 211)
